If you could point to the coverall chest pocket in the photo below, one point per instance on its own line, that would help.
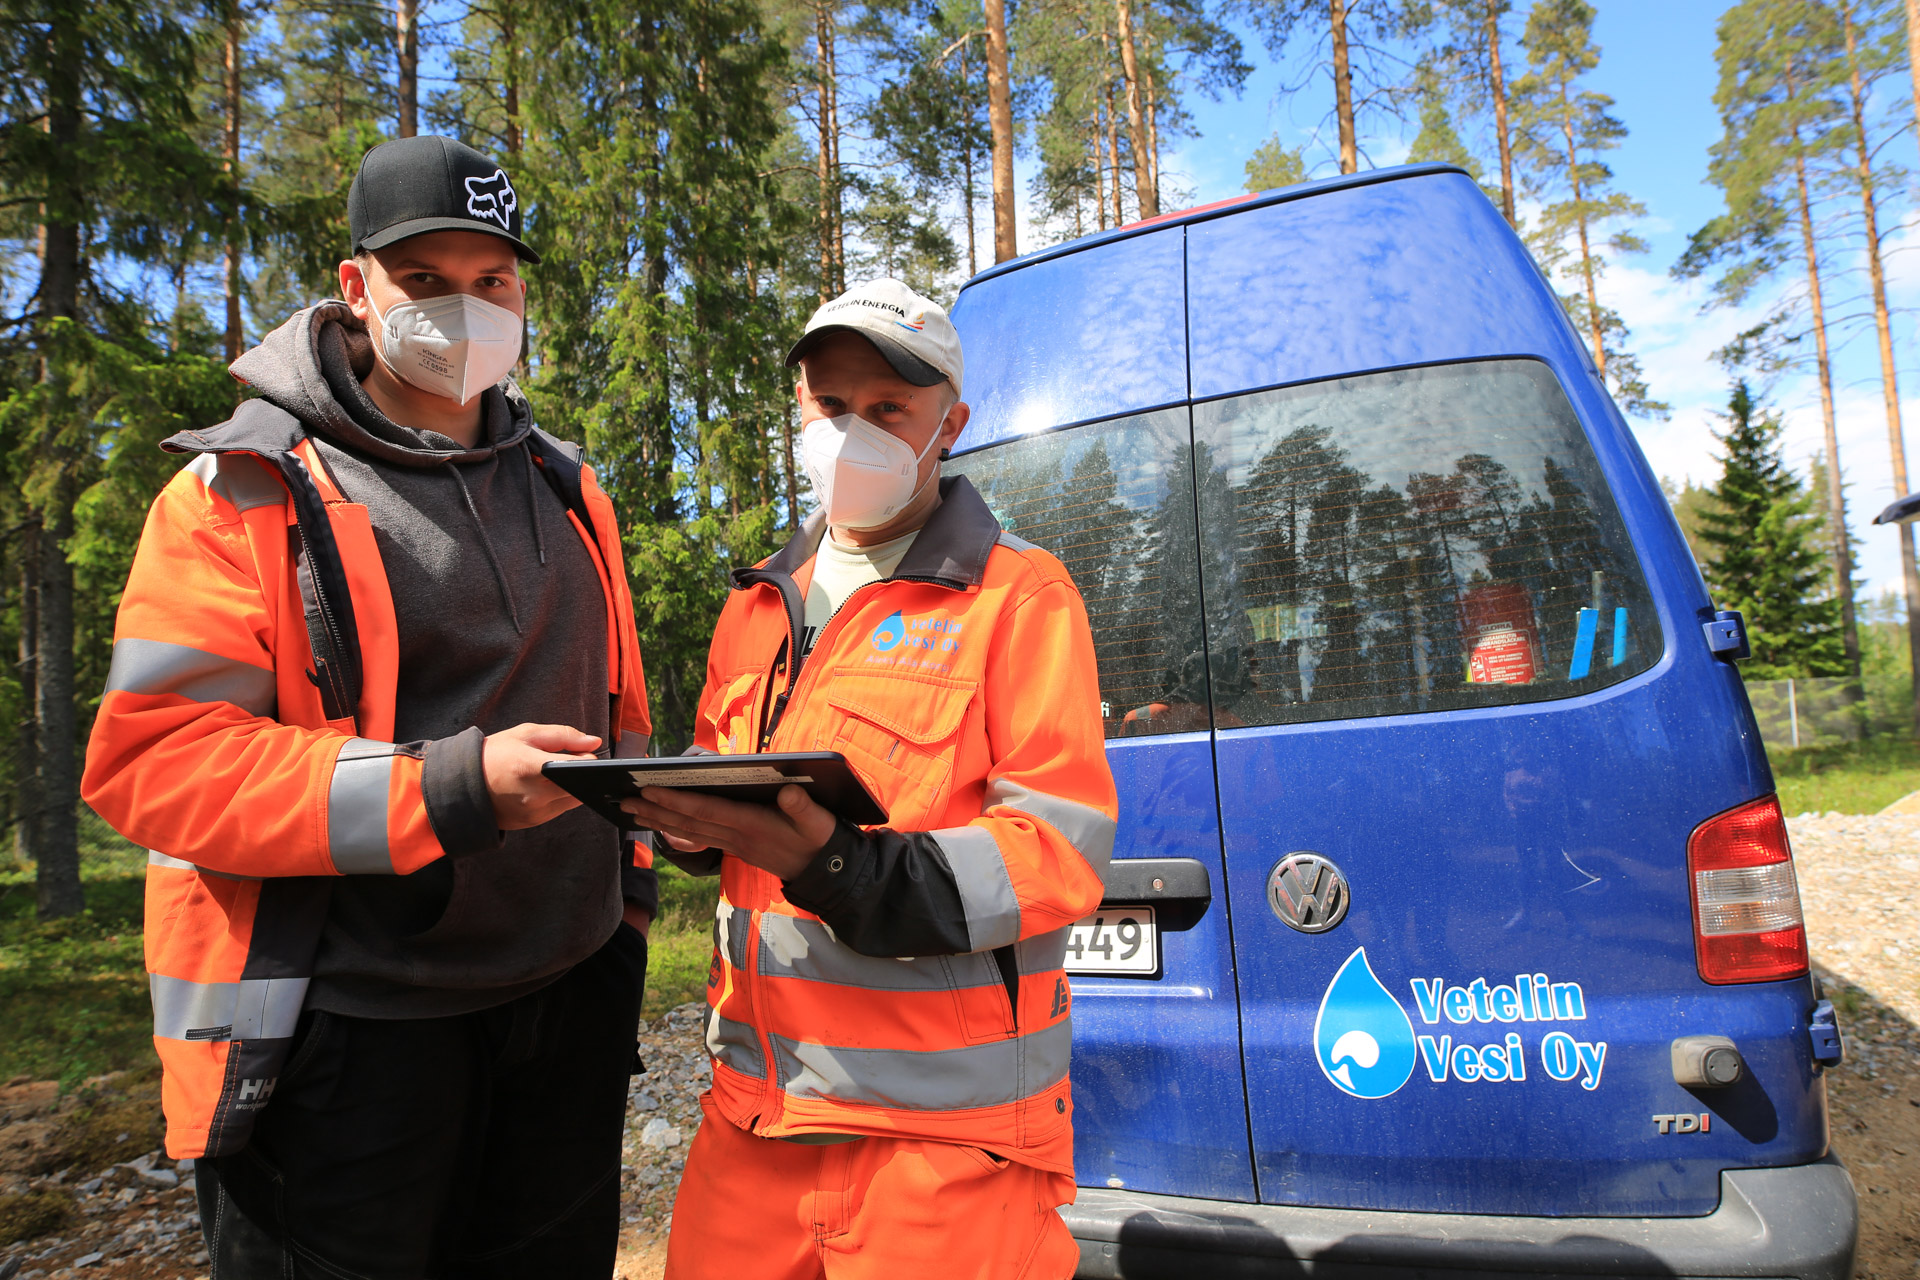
(900, 735)
(735, 715)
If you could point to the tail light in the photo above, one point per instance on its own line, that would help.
(1747, 925)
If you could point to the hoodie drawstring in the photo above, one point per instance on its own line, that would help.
(533, 508)
(486, 543)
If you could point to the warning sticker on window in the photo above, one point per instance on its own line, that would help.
(746, 775)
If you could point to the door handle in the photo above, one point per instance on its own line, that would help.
(1179, 889)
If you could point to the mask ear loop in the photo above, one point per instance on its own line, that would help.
(922, 454)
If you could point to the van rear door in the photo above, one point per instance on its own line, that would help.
(1455, 661)
(1081, 442)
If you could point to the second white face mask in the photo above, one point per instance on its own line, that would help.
(864, 476)
(455, 346)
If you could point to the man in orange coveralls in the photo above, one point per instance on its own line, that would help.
(889, 1023)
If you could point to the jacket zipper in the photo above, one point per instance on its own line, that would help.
(797, 667)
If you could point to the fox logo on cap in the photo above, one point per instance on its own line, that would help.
(493, 198)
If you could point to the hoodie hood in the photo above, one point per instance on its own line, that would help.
(312, 367)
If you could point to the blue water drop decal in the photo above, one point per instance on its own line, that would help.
(1362, 1037)
(888, 635)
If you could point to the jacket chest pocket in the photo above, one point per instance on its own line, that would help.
(900, 735)
(735, 715)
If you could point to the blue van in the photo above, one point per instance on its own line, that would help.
(1451, 925)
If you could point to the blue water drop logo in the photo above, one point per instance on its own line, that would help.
(888, 635)
(1362, 1037)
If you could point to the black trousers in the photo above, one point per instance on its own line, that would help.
(480, 1146)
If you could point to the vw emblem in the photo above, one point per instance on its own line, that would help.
(1307, 892)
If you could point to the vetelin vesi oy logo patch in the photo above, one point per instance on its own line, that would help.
(888, 635)
(1366, 1045)
(1362, 1037)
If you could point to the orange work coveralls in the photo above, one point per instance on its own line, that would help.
(244, 737)
(919, 999)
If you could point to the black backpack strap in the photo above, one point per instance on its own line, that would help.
(561, 464)
(271, 433)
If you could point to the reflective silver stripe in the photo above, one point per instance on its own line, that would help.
(156, 666)
(735, 1045)
(1015, 544)
(633, 746)
(1085, 827)
(357, 808)
(806, 949)
(155, 858)
(986, 887)
(979, 1075)
(239, 479)
(1042, 953)
(251, 1009)
(730, 933)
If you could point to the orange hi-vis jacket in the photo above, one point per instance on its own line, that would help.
(243, 738)
(910, 982)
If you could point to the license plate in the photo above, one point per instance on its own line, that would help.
(1115, 940)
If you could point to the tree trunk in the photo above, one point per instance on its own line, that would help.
(966, 162)
(58, 881)
(236, 331)
(1586, 249)
(1913, 55)
(1343, 88)
(57, 731)
(1883, 329)
(1144, 194)
(1113, 157)
(1100, 162)
(1498, 85)
(1836, 496)
(1153, 137)
(1000, 122)
(827, 164)
(26, 784)
(510, 86)
(406, 43)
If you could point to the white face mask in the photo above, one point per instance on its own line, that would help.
(863, 475)
(455, 346)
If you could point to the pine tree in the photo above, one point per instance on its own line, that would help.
(1562, 129)
(1475, 56)
(1768, 558)
(1361, 37)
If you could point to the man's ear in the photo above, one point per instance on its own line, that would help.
(956, 423)
(353, 287)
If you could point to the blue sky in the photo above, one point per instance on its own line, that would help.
(1657, 63)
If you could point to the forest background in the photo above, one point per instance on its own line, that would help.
(173, 178)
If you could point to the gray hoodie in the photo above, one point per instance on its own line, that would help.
(501, 620)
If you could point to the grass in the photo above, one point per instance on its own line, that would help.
(73, 992)
(1848, 777)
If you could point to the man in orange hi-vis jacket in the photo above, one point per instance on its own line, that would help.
(394, 996)
(889, 1023)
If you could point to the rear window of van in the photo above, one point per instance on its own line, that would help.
(1417, 540)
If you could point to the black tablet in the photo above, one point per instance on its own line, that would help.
(603, 784)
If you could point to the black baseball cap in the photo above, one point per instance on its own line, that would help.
(414, 185)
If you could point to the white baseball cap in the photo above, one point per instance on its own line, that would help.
(912, 332)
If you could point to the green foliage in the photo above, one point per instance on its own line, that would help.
(1273, 165)
(1690, 502)
(680, 947)
(73, 991)
(1852, 777)
(1768, 560)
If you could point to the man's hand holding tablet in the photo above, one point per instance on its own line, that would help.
(781, 838)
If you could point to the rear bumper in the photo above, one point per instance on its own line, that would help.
(1799, 1222)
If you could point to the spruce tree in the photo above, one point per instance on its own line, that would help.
(1768, 558)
